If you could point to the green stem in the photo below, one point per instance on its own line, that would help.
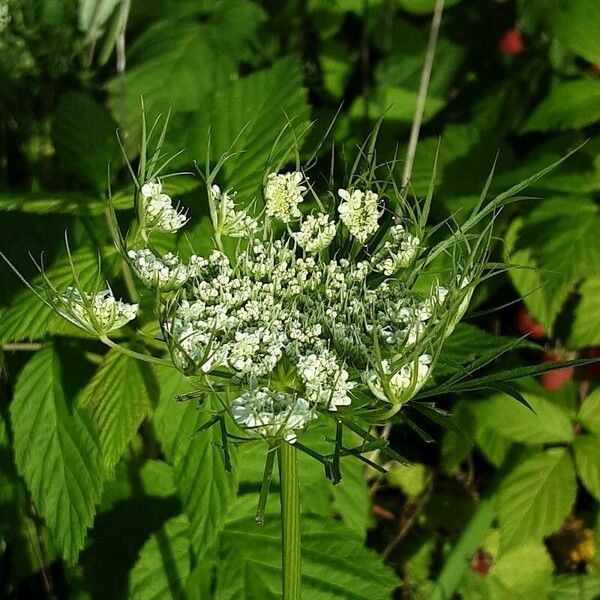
(290, 520)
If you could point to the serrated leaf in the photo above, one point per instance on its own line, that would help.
(205, 488)
(164, 563)
(28, 318)
(55, 453)
(545, 423)
(556, 249)
(84, 136)
(335, 564)
(175, 65)
(569, 105)
(575, 587)
(585, 330)
(587, 462)
(589, 413)
(119, 396)
(260, 106)
(536, 497)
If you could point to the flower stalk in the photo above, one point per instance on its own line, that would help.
(290, 520)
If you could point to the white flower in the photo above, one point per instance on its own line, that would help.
(324, 380)
(232, 222)
(271, 414)
(316, 233)
(96, 313)
(283, 193)
(166, 273)
(397, 252)
(404, 382)
(359, 212)
(158, 210)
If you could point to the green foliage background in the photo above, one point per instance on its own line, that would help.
(106, 491)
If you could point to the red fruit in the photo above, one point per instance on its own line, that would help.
(511, 43)
(527, 325)
(481, 563)
(595, 69)
(555, 380)
(591, 371)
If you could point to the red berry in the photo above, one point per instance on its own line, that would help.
(555, 380)
(481, 563)
(511, 43)
(595, 69)
(527, 325)
(591, 371)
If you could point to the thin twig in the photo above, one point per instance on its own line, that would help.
(422, 97)
(21, 347)
(408, 524)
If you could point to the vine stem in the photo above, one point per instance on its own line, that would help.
(290, 520)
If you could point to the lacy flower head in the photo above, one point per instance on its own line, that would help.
(305, 314)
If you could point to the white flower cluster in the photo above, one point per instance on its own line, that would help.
(96, 313)
(158, 210)
(231, 222)
(271, 414)
(283, 193)
(397, 252)
(359, 212)
(316, 233)
(166, 274)
(279, 309)
(325, 381)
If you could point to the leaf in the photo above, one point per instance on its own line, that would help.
(589, 413)
(545, 423)
(575, 587)
(423, 7)
(569, 105)
(28, 318)
(585, 330)
(119, 396)
(257, 107)
(205, 488)
(587, 462)
(508, 579)
(93, 14)
(41, 203)
(55, 453)
(556, 249)
(536, 497)
(84, 136)
(164, 563)
(576, 24)
(175, 65)
(335, 564)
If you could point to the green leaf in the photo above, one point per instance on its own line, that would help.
(28, 318)
(587, 462)
(589, 413)
(119, 396)
(164, 563)
(585, 330)
(536, 497)
(175, 65)
(557, 250)
(575, 587)
(84, 136)
(93, 14)
(545, 423)
(41, 203)
(569, 105)
(423, 7)
(258, 107)
(55, 453)
(205, 488)
(335, 564)
(576, 24)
